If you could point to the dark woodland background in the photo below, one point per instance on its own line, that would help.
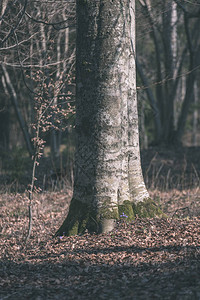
(37, 54)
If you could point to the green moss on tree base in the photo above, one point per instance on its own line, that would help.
(144, 209)
(81, 216)
(147, 209)
(127, 209)
(106, 211)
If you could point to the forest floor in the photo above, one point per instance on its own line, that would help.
(145, 259)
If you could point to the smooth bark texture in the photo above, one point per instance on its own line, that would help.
(107, 165)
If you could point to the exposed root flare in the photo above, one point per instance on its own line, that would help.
(82, 217)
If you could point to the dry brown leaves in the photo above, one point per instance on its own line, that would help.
(146, 259)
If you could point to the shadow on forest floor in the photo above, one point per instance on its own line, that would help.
(145, 259)
(76, 279)
(70, 281)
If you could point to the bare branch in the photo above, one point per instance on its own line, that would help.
(142, 2)
(35, 65)
(19, 43)
(11, 32)
(50, 23)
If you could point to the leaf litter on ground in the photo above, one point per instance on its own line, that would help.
(145, 259)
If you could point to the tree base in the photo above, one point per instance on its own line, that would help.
(82, 217)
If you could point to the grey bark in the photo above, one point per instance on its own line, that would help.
(107, 163)
(195, 116)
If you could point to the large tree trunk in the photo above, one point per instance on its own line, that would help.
(108, 176)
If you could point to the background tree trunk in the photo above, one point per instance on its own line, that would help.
(195, 117)
(14, 100)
